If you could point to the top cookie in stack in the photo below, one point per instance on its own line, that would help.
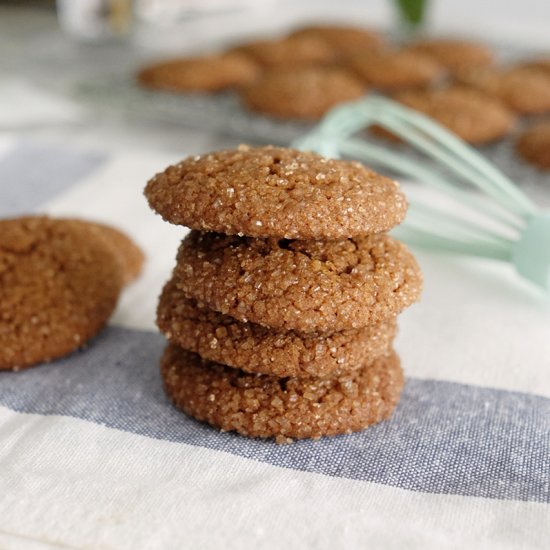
(276, 192)
(281, 309)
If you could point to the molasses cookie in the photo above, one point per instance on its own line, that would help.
(306, 286)
(304, 93)
(394, 70)
(59, 283)
(526, 91)
(257, 349)
(454, 55)
(125, 251)
(534, 145)
(288, 51)
(284, 408)
(199, 74)
(276, 192)
(345, 40)
(472, 116)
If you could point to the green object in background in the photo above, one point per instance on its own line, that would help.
(412, 11)
(498, 221)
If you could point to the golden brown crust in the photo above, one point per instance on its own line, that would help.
(58, 286)
(455, 55)
(534, 145)
(395, 70)
(303, 93)
(125, 251)
(276, 192)
(199, 74)
(526, 91)
(254, 348)
(307, 286)
(285, 408)
(288, 51)
(344, 39)
(472, 116)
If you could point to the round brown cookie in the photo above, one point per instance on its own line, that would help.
(260, 405)
(288, 51)
(303, 93)
(254, 348)
(526, 91)
(469, 114)
(534, 145)
(306, 286)
(344, 39)
(393, 70)
(276, 192)
(126, 252)
(199, 74)
(541, 64)
(454, 55)
(58, 286)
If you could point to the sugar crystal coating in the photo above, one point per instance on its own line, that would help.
(276, 192)
(259, 405)
(59, 283)
(254, 348)
(308, 286)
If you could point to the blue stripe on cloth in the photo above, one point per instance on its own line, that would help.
(444, 437)
(31, 174)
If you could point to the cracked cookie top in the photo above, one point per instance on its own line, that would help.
(276, 192)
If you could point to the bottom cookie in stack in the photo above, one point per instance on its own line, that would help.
(261, 405)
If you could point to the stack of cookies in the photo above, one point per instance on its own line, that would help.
(281, 310)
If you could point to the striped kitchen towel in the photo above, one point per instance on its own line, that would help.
(92, 454)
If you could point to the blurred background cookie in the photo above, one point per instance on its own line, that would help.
(472, 116)
(526, 91)
(288, 51)
(454, 54)
(345, 40)
(533, 145)
(210, 73)
(395, 70)
(301, 93)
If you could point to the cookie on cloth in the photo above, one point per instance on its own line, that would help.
(257, 349)
(125, 251)
(306, 286)
(276, 192)
(210, 73)
(454, 54)
(59, 284)
(395, 70)
(302, 93)
(534, 145)
(472, 116)
(288, 51)
(284, 408)
(526, 91)
(346, 40)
